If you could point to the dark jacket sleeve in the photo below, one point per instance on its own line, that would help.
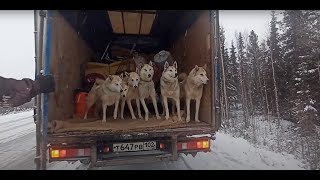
(14, 92)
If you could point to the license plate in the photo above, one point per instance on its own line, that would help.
(136, 146)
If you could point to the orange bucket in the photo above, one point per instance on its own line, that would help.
(81, 105)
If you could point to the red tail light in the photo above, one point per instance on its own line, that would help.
(162, 146)
(69, 153)
(194, 145)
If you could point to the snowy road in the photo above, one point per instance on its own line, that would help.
(17, 151)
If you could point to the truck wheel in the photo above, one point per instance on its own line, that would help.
(85, 161)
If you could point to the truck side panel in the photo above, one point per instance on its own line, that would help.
(68, 53)
(192, 49)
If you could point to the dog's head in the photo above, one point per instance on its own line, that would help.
(133, 78)
(124, 89)
(199, 74)
(170, 72)
(147, 72)
(113, 82)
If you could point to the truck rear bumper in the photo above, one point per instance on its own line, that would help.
(102, 152)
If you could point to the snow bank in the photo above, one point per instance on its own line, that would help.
(238, 154)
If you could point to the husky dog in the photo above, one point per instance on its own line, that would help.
(192, 88)
(108, 93)
(146, 88)
(170, 87)
(131, 80)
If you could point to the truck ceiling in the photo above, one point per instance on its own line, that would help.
(98, 28)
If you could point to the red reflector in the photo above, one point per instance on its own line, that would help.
(162, 145)
(106, 149)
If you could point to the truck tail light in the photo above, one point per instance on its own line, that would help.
(194, 145)
(69, 153)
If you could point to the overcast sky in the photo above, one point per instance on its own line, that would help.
(17, 37)
(245, 21)
(17, 44)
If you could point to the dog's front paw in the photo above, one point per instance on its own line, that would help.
(197, 120)
(146, 118)
(188, 119)
(140, 117)
(133, 117)
(114, 116)
(158, 117)
(167, 117)
(104, 120)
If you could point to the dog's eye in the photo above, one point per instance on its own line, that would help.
(137, 79)
(145, 70)
(125, 90)
(149, 69)
(201, 74)
(117, 84)
(132, 79)
(170, 70)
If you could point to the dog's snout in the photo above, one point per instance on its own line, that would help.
(124, 95)
(149, 75)
(176, 74)
(135, 86)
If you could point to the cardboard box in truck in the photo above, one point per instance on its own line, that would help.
(67, 40)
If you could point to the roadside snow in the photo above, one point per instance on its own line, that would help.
(13, 126)
(309, 108)
(64, 165)
(229, 153)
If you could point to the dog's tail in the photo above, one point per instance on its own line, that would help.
(182, 77)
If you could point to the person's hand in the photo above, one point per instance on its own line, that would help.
(46, 83)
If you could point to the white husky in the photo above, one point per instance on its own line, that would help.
(146, 89)
(170, 87)
(131, 80)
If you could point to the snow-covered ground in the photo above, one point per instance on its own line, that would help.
(17, 150)
(264, 133)
(238, 154)
(13, 126)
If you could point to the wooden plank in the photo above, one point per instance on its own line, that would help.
(68, 53)
(116, 21)
(146, 25)
(131, 22)
(192, 49)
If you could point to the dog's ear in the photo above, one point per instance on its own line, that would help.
(99, 81)
(138, 70)
(126, 74)
(150, 63)
(196, 67)
(166, 65)
(205, 67)
(175, 64)
(110, 77)
(121, 75)
(140, 66)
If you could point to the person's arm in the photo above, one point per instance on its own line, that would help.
(14, 92)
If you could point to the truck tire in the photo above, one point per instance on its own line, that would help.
(85, 161)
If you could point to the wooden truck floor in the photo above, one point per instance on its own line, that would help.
(120, 125)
